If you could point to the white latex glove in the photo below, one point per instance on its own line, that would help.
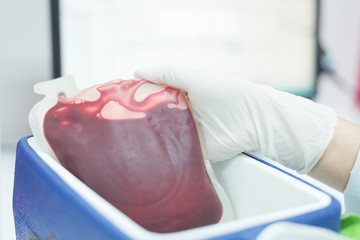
(238, 115)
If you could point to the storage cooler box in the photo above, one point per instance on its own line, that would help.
(50, 203)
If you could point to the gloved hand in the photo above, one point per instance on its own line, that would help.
(238, 115)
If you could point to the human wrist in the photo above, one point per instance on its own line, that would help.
(338, 159)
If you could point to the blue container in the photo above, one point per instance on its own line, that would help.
(50, 203)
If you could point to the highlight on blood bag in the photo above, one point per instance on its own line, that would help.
(135, 144)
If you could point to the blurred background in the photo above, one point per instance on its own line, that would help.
(307, 47)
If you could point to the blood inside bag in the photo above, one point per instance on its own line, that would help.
(138, 148)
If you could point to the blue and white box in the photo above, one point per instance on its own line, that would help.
(50, 203)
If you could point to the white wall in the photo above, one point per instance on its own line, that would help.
(340, 36)
(25, 58)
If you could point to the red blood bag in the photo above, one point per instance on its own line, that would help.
(135, 144)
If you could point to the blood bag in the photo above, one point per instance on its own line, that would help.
(136, 144)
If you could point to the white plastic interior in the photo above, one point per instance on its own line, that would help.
(258, 194)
